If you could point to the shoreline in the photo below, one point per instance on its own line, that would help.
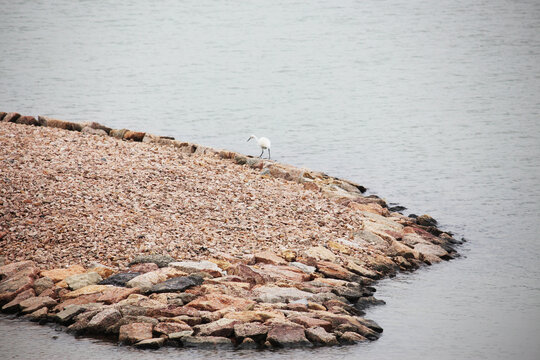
(274, 256)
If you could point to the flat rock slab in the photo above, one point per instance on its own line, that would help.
(254, 330)
(221, 327)
(90, 289)
(57, 275)
(273, 294)
(13, 268)
(197, 266)
(269, 257)
(150, 343)
(214, 302)
(320, 336)
(78, 281)
(177, 284)
(13, 305)
(207, 342)
(35, 303)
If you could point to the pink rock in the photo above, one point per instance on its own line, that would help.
(213, 302)
(248, 274)
(143, 267)
(35, 303)
(166, 328)
(287, 335)
(13, 305)
(13, 286)
(268, 257)
(284, 272)
(135, 332)
(11, 269)
(116, 294)
(308, 322)
(333, 270)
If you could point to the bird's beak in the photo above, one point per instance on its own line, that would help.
(248, 139)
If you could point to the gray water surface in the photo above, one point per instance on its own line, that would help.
(432, 105)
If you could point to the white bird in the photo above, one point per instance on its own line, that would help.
(263, 142)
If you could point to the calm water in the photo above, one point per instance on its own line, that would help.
(433, 105)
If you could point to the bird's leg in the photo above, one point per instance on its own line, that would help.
(268, 154)
(262, 152)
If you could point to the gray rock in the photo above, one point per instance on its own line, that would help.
(150, 343)
(207, 342)
(221, 327)
(254, 330)
(305, 268)
(350, 337)
(320, 336)
(119, 279)
(104, 319)
(78, 281)
(177, 336)
(159, 260)
(180, 283)
(42, 284)
(69, 312)
(271, 294)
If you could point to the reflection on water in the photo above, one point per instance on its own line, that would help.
(433, 105)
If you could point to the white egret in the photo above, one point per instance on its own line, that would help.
(263, 142)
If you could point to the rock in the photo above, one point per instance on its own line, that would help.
(119, 279)
(198, 266)
(320, 336)
(177, 336)
(253, 330)
(9, 270)
(272, 294)
(289, 255)
(333, 270)
(81, 322)
(116, 294)
(145, 282)
(320, 253)
(214, 302)
(104, 319)
(42, 284)
(207, 342)
(150, 343)
(95, 125)
(28, 120)
(57, 275)
(284, 272)
(177, 284)
(143, 268)
(305, 268)
(426, 220)
(360, 270)
(310, 185)
(254, 316)
(2, 115)
(221, 327)
(13, 305)
(166, 328)
(159, 260)
(135, 332)
(90, 289)
(79, 300)
(78, 281)
(92, 131)
(282, 334)
(11, 117)
(61, 124)
(350, 337)
(269, 257)
(34, 303)
(248, 344)
(13, 286)
(69, 312)
(118, 133)
(350, 293)
(41, 315)
(348, 322)
(130, 319)
(134, 135)
(308, 322)
(248, 274)
(431, 252)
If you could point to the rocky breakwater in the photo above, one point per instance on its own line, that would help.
(308, 285)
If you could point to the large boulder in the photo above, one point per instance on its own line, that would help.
(207, 342)
(286, 334)
(135, 332)
(35, 303)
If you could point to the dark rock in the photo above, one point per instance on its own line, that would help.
(397, 208)
(119, 279)
(351, 294)
(177, 284)
(159, 260)
(28, 120)
(365, 302)
(134, 136)
(426, 220)
(370, 324)
(118, 133)
(11, 117)
(2, 115)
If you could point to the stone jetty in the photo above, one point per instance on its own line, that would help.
(153, 241)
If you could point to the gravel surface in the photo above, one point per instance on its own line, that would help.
(68, 197)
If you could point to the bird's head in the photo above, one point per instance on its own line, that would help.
(252, 137)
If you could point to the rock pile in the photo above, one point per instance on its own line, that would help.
(309, 287)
